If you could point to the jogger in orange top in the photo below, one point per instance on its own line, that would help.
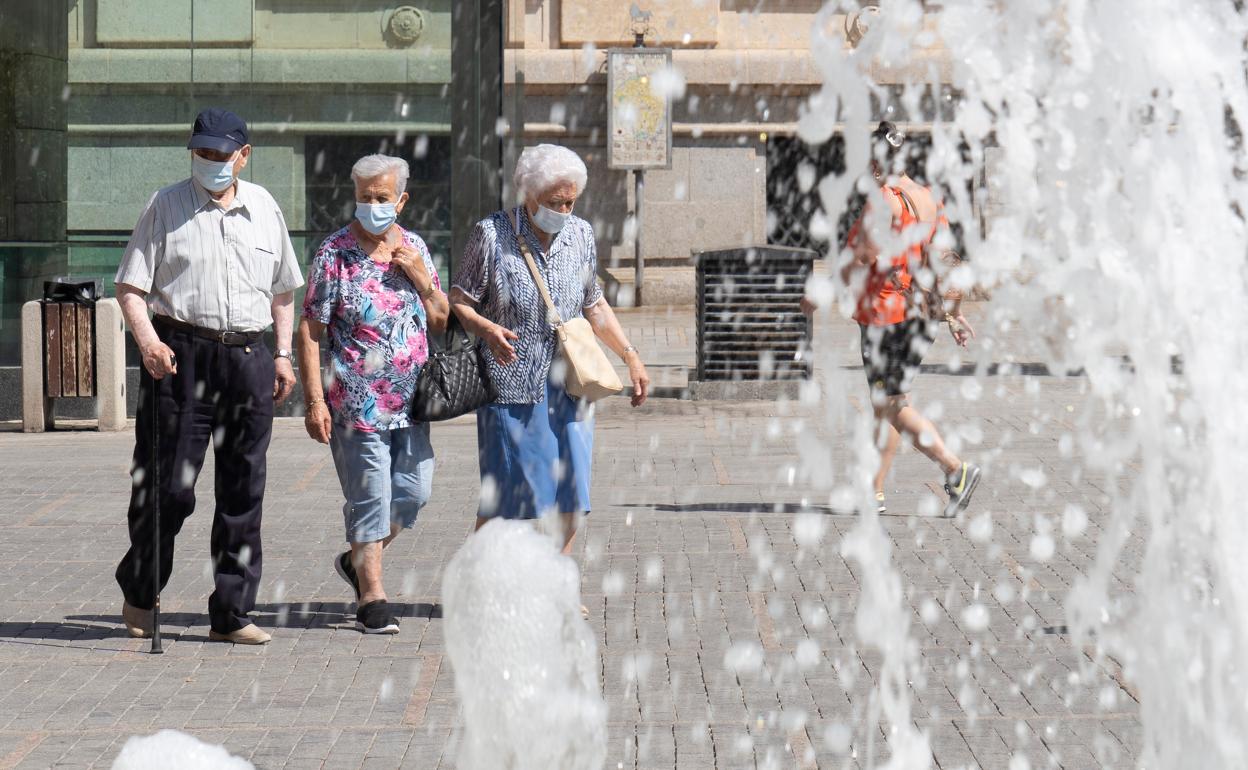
(900, 302)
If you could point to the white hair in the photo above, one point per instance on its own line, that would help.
(547, 165)
(373, 166)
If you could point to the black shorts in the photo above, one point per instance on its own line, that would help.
(891, 355)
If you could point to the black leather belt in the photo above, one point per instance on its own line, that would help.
(225, 338)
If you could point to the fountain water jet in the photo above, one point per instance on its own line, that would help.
(1111, 135)
(525, 661)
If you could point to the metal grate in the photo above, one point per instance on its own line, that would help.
(750, 323)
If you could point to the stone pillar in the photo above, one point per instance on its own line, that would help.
(34, 77)
(110, 365)
(36, 410)
(476, 106)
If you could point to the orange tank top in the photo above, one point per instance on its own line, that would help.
(884, 296)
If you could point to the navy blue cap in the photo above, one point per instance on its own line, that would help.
(217, 129)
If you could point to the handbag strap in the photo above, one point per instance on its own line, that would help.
(552, 313)
(456, 336)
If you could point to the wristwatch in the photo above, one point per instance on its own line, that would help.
(629, 349)
(284, 353)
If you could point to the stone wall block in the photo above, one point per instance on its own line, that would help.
(149, 66)
(39, 221)
(769, 25)
(782, 67)
(39, 166)
(668, 185)
(37, 27)
(424, 66)
(220, 65)
(277, 164)
(115, 178)
(712, 68)
(148, 22)
(677, 229)
(607, 22)
(38, 88)
(341, 66)
(541, 67)
(723, 174)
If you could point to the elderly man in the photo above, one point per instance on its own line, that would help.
(211, 258)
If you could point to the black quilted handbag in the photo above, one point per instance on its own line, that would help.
(454, 380)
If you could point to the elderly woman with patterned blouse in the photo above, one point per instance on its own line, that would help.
(535, 444)
(374, 290)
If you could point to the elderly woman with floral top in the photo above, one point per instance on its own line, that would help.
(535, 444)
(374, 292)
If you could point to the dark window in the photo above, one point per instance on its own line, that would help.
(790, 210)
(331, 193)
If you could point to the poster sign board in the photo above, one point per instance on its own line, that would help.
(639, 116)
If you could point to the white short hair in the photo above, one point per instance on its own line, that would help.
(373, 166)
(547, 165)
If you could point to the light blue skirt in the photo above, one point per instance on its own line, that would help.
(535, 458)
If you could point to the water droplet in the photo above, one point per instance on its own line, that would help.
(744, 656)
(1042, 547)
(1074, 520)
(837, 738)
(975, 617)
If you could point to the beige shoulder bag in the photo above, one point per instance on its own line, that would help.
(589, 375)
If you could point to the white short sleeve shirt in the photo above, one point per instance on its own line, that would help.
(211, 266)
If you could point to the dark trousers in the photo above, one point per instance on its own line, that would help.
(223, 394)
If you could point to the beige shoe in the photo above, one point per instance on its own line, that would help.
(248, 634)
(138, 622)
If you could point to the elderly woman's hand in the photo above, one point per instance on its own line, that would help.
(413, 265)
(640, 379)
(317, 422)
(498, 339)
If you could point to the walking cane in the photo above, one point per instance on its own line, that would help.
(154, 442)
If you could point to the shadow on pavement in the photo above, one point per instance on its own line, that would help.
(332, 614)
(788, 508)
(90, 628)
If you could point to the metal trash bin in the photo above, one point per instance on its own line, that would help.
(750, 323)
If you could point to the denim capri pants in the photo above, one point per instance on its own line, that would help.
(386, 478)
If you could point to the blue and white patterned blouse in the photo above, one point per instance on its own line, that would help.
(494, 273)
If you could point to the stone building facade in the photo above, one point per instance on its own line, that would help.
(324, 82)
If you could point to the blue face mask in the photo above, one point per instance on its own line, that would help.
(376, 217)
(550, 221)
(212, 175)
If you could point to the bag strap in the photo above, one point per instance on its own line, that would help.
(454, 338)
(934, 295)
(552, 313)
(909, 204)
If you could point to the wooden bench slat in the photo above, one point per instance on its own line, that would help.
(52, 349)
(69, 347)
(86, 336)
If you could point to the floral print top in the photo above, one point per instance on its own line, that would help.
(376, 326)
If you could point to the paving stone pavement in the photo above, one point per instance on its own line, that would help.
(690, 560)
